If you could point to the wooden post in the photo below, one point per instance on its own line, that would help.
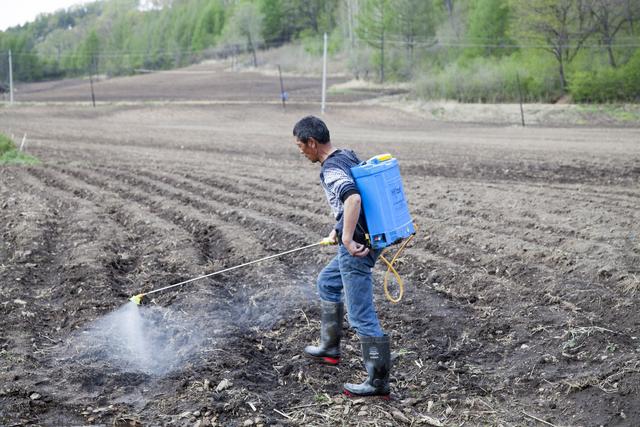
(520, 96)
(10, 79)
(24, 140)
(93, 95)
(283, 94)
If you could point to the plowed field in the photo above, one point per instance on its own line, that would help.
(522, 285)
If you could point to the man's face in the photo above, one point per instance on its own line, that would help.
(310, 149)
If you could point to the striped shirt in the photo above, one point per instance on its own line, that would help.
(338, 185)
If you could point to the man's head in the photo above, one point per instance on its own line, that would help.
(312, 138)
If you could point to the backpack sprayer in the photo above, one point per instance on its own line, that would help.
(386, 211)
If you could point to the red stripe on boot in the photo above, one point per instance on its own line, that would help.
(331, 360)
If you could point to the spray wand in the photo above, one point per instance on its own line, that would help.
(138, 298)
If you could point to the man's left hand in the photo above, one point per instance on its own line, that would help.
(356, 249)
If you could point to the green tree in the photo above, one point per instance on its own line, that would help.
(245, 24)
(89, 53)
(560, 26)
(448, 4)
(306, 17)
(415, 23)
(318, 15)
(487, 29)
(209, 26)
(273, 24)
(26, 64)
(374, 23)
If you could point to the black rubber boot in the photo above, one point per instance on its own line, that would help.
(331, 329)
(376, 352)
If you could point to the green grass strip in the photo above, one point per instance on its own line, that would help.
(9, 154)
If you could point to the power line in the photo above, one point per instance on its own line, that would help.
(226, 52)
(436, 44)
(221, 50)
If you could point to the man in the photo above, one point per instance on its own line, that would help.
(349, 272)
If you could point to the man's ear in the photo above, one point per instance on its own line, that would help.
(311, 141)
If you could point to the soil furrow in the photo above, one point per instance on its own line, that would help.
(271, 230)
(237, 171)
(126, 262)
(237, 237)
(159, 268)
(536, 173)
(200, 232)
(284, 195)
(228, 192)
(583, 195)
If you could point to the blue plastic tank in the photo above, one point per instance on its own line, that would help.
(385, 207)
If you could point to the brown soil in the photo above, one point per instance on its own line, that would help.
(522, 284)
(212, 81)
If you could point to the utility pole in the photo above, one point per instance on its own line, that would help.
(283, 94)
(91, 70)
(520, 96)
(324, 74)
(10, 79)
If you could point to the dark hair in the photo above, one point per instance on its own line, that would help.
(311, 127)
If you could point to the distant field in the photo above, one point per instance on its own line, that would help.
(522, 285)
(212, 81)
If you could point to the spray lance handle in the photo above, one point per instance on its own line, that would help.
(328, 241)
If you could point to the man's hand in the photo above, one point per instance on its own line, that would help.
(355, 249)
(331, 240)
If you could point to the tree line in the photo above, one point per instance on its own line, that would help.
(470, 50)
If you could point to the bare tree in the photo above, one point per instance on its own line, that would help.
(245, 24)
(374, 23)
(351, 9)
(415, 23)
(449, 5)
(630, 15)
(609, 17)
(561, 26)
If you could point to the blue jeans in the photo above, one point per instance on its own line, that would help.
(353, 276)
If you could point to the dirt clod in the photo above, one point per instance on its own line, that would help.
(223, 385)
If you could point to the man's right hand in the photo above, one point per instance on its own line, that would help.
(331, 240)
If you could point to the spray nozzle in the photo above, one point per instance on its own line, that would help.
(137, 299)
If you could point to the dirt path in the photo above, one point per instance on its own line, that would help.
(521, 284)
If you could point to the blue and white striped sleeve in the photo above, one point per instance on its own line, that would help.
(340, 183)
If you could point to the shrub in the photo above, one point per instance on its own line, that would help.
(631, 78)
(6, 144)
(9, 153)
(489, 80)
(612, 84)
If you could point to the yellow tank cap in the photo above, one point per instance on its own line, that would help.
(384, 157)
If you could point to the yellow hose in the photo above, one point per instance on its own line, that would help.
(391, 269)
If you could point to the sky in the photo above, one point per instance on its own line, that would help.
(22, 11)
